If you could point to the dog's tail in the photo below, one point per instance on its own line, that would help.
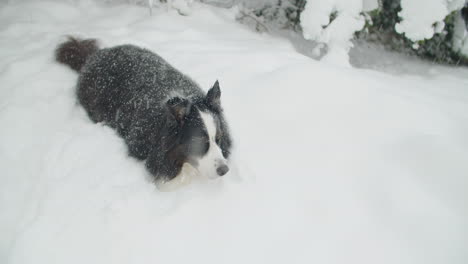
(74, 52)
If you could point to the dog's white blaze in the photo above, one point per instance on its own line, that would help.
(214, 158)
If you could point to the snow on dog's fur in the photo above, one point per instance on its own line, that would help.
(164, 117)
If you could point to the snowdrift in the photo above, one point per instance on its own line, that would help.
(331, 164)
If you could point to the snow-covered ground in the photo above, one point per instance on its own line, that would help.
(332, 164)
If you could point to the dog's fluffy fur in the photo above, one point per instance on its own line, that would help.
(163, 116)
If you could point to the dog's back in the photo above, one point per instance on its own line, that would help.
(126, 78)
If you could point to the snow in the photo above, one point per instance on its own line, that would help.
(418, 24)
(332, 164)
(369, 5)
(460, 35)
(336, 34)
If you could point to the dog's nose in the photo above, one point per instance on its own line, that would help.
(223, 169)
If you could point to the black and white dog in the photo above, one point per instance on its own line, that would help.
(164, 117)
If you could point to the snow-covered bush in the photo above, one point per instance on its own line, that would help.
(277, 14)
(421, 19)
(443, 40)
(283, 13)
(330, 24)
(433, 29)
(460, 32)
(334, 22)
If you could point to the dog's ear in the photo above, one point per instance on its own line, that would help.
(213, 97)
(179, 108)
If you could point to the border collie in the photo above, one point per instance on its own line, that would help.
(164, 117)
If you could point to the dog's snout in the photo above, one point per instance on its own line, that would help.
(222, 170)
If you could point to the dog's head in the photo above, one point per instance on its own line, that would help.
(202, 136)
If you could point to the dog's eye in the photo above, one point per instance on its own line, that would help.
(218, 138)
(206, 146)
(200, 145)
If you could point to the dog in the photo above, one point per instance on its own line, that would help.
(164, 117)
